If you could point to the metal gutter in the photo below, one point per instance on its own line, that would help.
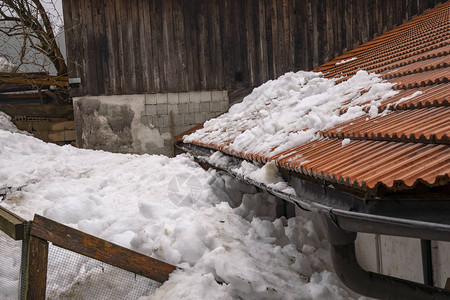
(343, 225)
(353, 221)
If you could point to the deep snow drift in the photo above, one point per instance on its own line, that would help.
(168, 208)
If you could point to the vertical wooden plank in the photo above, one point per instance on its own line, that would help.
(263, 71)
(275, 40)
(156, 25)
(89, 61)
(168, 47)
(145, 40)
(227, 42)
(218, 68)
(321, 32)
(315, 33)
(191, 54)
(36, 275)
(138, 70)
(111, 38)
(99, 47)
(180, 45)
(243, 47)
(120, 81)
(202, 35)
(269, 38)
(250, 35)
(129, 54)
(69, 37)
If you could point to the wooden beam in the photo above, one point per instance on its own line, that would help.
(96, 248)
(39, 82)
(36, 274)
(34, 78)
(11, 224)
(38, 110)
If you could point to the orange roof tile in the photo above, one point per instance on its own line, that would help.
(408, 142)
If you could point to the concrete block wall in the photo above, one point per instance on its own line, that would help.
(142, 123)
(188, 109)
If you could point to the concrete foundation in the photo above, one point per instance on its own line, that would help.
(142, 123)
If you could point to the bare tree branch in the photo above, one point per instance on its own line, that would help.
(30, 20)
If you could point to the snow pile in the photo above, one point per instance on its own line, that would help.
(7, 125)
(6, 66)
(170, 208)
(289, 111)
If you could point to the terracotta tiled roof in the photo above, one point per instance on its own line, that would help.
(408, 142)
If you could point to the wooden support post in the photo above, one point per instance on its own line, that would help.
(36, 275)
(11, 224)
(172, 136)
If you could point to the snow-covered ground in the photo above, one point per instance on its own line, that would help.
(212, 226)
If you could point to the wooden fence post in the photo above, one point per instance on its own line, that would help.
(36, 274)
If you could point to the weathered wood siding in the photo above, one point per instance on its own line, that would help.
(125, 47)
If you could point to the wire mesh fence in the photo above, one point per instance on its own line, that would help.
(10, 262)
(74, 276)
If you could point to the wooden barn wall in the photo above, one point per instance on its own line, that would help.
(144, 46)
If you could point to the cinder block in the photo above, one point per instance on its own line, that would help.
(150, 98)
(224, 106)
(164, 130)
(194, 97)
(161, 121)
(41, 126)
(56, 136)
(194, 108)
(69, 125)
(56, 126)
(173, 108)
(183, 108)
(70, 135)
(225, 96)
(209, 116)
(183, 97)
(181, 129)
(216, 106)
(172, 98)
(178, 119)
(150, 110)
(217, 96)
(161, 109)
(161, 98)
(189, 119)
(27, 126)
(42, 135)
(200, 118)
(204, 106)
(205, 96)
(147, 120)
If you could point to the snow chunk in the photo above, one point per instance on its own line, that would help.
(345, 61)
(291, 110)
(345, 142)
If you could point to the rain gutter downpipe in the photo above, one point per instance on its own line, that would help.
(342, 227)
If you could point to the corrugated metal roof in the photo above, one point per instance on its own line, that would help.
(408, 143)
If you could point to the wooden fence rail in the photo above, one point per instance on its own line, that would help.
(37, 234)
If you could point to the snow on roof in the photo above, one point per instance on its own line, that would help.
(389, 98)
